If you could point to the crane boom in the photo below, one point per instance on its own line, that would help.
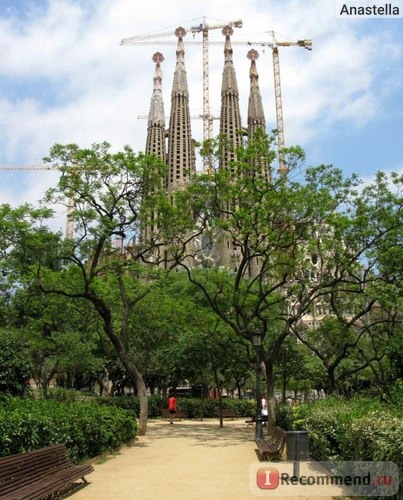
(204, 28)
(28, 167)
(207, 118)
(69, 231)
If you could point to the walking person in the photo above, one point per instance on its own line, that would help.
(171, 408)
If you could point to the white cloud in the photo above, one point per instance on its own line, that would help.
(98, 87)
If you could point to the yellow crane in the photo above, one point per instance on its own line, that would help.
(69, 231)
(160, 39)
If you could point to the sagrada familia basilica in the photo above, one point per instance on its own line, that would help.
(175, 146)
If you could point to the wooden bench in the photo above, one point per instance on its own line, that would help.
(227, 413)
(38, 474)
(178, 415)
(271, 449)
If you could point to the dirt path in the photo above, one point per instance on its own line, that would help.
(187, 460)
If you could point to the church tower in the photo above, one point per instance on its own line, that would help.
(181, 154)
(156, 117)
(231, 137)
(256, 119)
(230, 116)
(155, 144)
(256, 122)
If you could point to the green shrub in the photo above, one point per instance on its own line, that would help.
(191, 407)
(62, 394)
(129, 403)
(284, 416)
(86, 429)
(354, 430)
(208, 408)
(16, 366)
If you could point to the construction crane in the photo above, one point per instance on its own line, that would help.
(69, 231)
(203, 28)
(274, 44)
(307, 44)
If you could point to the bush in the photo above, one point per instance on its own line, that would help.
(16, 366)
(284, 416)
(358, 429)
(191, 407)
(86, 429)
(128, 403)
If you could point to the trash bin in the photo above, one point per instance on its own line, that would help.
(297, 445)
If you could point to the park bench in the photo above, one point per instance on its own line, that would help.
(38, 474)
(270, 449)
(178, 415)
(227, 413)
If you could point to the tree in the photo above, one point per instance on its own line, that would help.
(16, 365)
(107, 191)
(178, 339)
(297, 245)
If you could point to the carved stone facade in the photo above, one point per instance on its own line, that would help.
(214, 248)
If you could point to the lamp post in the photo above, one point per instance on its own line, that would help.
(257, 342)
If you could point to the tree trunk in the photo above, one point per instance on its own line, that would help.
(135, 377)
(284, 391)
(333, 387)
(219, 399)
(138, 382)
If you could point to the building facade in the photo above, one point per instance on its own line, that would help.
(175, 145)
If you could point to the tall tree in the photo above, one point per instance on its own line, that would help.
(106, 190)
(295, 245)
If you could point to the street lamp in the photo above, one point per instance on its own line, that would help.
(257, 342)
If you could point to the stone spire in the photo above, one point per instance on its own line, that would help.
(181, 155)
(256, 119)
(230, 117)
(155, 146)
(156, 118)
(255, 107)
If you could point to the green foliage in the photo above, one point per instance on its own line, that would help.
(16, 367)
(208, 408)
(396, 393)
(86, 429)
(358, 429)
(132, 403)
(63, 395)
(191, 407)
(284, 416)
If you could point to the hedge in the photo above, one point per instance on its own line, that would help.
(86, 429)
(191, 407)
(357, 429)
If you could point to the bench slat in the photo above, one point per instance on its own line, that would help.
(39, 473)
(271, 449)
(37, 490)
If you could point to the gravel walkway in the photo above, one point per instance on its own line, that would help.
(187, 460)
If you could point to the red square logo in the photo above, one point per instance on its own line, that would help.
(267, 478)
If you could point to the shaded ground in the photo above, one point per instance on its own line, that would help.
(186, 460)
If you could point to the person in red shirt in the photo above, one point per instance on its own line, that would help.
(171, 408)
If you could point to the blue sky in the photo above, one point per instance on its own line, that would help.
(65, 78)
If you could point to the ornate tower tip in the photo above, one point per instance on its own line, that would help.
(253, 55)
(158, 57)
(180, 32)
(227, 31)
